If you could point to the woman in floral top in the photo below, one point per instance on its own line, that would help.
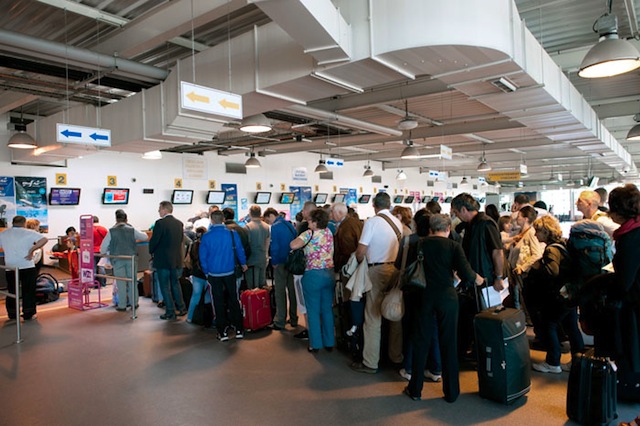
(318, 280)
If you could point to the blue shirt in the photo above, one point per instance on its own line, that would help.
(282, 233)
(216, 251)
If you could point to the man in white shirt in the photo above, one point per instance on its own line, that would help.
(378, 246)
(19, 244)
(588, 203)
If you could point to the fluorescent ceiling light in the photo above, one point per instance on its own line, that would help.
(252, 162)
(152, 155)
(258, 123)
(410, 151)
(611, 55)
(21, 140)
(321, 168)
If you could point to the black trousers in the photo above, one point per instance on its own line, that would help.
(444, 304)
(225, 297)
(28, 282)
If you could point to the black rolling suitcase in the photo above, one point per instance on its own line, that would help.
(504, 363)
(591, 393)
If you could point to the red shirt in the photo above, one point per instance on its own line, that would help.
(99, 232)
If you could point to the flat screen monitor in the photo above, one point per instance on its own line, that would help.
(448, 199)
(115, 196)
(426, 198)
(287, 197)
(436, 199)
(262, 198)
(409, 199)
(64, 196)
(338, 198)
(216, 197)
(320, 198)
(182, 196)
(364, 198)
(398, 199)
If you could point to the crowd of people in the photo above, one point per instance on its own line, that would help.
(462, 255)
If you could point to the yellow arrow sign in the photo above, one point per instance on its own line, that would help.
(194, 97)
(504, 176)
(227, 104)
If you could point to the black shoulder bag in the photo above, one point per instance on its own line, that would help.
(296, 262)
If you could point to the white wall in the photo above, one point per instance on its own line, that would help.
(90, 173)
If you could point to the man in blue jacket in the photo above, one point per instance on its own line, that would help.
(218, 260)
(282, 233)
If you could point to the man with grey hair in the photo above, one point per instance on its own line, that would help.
(165, 248)
(259, 237)
(19, 244)
(588, 203)
(483, 247)
(378, 246)
(121, 241)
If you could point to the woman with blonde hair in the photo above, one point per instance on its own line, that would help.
(547, 277)
(404, 216)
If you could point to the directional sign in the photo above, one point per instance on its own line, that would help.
(504, 176)
(446, 152)
(66, 133)
(212, 101)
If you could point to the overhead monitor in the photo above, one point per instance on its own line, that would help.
(436, 199)
(448, 199)
(216, 197)
(338, 198)
(364, 198)
(426, 198)
(320, 198)
(182, 196)
(115, 196)
(64, 196)
(262, 197)
(398, 199)
(409, 199)
(287, 197)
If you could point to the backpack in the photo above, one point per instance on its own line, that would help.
(47, 289)
(590, 249)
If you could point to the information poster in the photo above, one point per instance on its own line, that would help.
(7, 201)
(302, 195)
(86, 249)
(31, 199)
(351, 196)
(231, 198)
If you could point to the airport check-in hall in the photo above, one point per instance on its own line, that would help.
(253, 116)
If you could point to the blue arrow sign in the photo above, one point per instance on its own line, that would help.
(96, 137)
(69, 134)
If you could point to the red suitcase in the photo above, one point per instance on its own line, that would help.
(256, 308)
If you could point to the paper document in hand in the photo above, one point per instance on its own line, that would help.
(495, 297)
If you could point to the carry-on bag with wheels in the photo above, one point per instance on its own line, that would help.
(591, 392)
(256, 307)
(504, 362)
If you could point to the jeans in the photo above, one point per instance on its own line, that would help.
(28, 291)
(551, 319)
(171, 291)
(283, 282)
(157, 294)
(199, 285)
(317, 286)
(225, 302)
(122, 268)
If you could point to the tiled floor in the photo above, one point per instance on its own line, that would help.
(100, 367)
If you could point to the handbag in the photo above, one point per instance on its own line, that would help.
(392, 307)
(296, 261)
(413, 275)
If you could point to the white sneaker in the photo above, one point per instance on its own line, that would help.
(403, 373)
(566, 367)
(543, 367)
(433, 377)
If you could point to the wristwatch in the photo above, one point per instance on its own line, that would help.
(499, 277)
